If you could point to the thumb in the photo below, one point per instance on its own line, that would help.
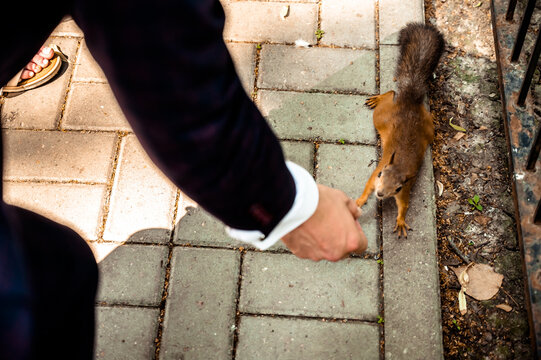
(354, 209)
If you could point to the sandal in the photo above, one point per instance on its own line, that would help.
(55, 63)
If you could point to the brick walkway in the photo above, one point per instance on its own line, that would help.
(169, 275)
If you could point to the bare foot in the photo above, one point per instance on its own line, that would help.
(39, 61)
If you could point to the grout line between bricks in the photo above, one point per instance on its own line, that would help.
(286, 43)
(53, 182)
(318, 41)
(379, 203)
(256, 72)
(125, 305)
(318, 142)
(75, 131)
(165, 292)
(307, 317)
(237, 301)
(68, 87)
(315, 91)
(110, 184)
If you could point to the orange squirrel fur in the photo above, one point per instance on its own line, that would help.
(403, 123)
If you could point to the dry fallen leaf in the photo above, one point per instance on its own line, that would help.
(462, 302)
(284, 12)
(504, 307)
(459, 135)
(480, 280)
(440, 187)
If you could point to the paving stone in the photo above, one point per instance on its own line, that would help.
(58, 156)
(394, 15)
(93, 107)
(261, 22)
(294, 339)
(77, 206)
(197, 227)
(244, 56)
(133, 275)
(307, 116)
(301, 153)
(326, 69)
(125, 333)
(411, 282)
(348, 23)
(348, 168)
(388, 57)
(41, 108)
(67, 28)
(282, 284)
(200, 309)
(86, 68)
(142, 197)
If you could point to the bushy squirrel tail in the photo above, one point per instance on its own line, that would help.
(421, 46)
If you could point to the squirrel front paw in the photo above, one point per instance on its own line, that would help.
(401, 226)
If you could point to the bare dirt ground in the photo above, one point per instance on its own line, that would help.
(474, 162)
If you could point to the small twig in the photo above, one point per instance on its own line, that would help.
(510, 297)
(457, 251)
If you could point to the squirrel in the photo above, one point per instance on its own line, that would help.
(403, 123)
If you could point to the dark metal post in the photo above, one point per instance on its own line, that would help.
(532, 64)
(534, 151)
(511, 10)
(521, 35)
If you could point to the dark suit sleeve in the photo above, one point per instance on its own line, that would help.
(174, 78)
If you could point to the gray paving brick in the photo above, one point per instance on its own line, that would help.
(285, 285)
(77, 206)
(244, 56)
(67, 28)
(58, 156)
(388, 57)
(125, 333)
(294, 339)
(394, 14)
(325, 69)
(200, 309)
(329, 117)
(348, 167)
(197, 227)
(301, 153)
(41, 107)
(348, 23)
(86, 68)
(133, 275)
(142, 197)
(93, 107)
(256, 21)
(411, 282)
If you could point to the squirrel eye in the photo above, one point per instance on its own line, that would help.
(379, 174)
(399, 188)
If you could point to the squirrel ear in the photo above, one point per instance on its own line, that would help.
(392, 159)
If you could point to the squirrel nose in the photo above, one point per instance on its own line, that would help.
(380, 194)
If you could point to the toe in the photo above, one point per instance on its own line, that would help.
(46, 52)
(27, 74)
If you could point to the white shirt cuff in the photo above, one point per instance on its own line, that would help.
(303, 208)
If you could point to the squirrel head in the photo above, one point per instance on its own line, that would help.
(391, 179)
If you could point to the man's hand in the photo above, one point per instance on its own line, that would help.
(332, 232)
